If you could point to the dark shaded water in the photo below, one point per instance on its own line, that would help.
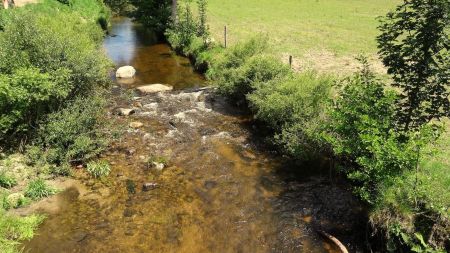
(220, 191)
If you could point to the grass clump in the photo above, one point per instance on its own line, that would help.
(15, 229)
(98, 169)
(153, 161)
(7, 181)
(13, 200)
(38, 189)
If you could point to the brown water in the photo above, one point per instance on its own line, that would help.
(221, 191)
(131, 44)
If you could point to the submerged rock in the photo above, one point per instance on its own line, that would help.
(153, 88)
(149, 186)
(158, 166)
(136, 124)
(131, 151)
(125, 112)
(125, 72)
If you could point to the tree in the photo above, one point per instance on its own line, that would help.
(202, 27)
(174, 10)
(155, 14)
(414, 45)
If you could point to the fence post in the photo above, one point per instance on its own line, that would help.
(290, 61)
(225, 35)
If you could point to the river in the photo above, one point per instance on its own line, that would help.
(222, 190)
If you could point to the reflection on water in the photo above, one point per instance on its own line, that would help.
(131, 44)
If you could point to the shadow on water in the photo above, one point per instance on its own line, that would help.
(221, 192)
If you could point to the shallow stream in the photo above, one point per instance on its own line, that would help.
(220, 192)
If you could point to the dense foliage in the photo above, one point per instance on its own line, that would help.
(415, 47)
(46, 58)
(240, 69)
(52, 72)
(155, 14)
(75, 134)
(295, 109)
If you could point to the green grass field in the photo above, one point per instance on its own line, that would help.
(323, 35)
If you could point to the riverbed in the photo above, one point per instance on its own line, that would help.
(222, 189)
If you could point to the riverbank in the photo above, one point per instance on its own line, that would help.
(309, 114)
(52, 75)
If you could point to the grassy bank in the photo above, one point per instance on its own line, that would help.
(53, 77)
(401, 175)
(322, 35)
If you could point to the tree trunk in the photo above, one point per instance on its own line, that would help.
(174, 10)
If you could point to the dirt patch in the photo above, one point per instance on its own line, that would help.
(327, 62)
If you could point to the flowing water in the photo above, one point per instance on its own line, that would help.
(220, 191)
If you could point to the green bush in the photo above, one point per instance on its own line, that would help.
(154, 14)
(181, 33)
(74, 134)
(237, 83)
(362, 132)
(38, 189)
(295, 109)
(27, 94)
(236, 56)
(98, 169)
(48, 55)
(120, 7)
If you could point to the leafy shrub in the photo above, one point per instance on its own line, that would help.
(154, 14)
(27, 94)
(362, 130)
(236, 56)
(121, 7)
(181, 33)
(237, 83)
(7, 181)
(75, 133)
(46, 57)
(295, 109)
(98, 169)
(38, 189)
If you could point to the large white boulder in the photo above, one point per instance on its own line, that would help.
(153, 88)
(125, 72)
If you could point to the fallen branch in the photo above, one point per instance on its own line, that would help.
(334, 240)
